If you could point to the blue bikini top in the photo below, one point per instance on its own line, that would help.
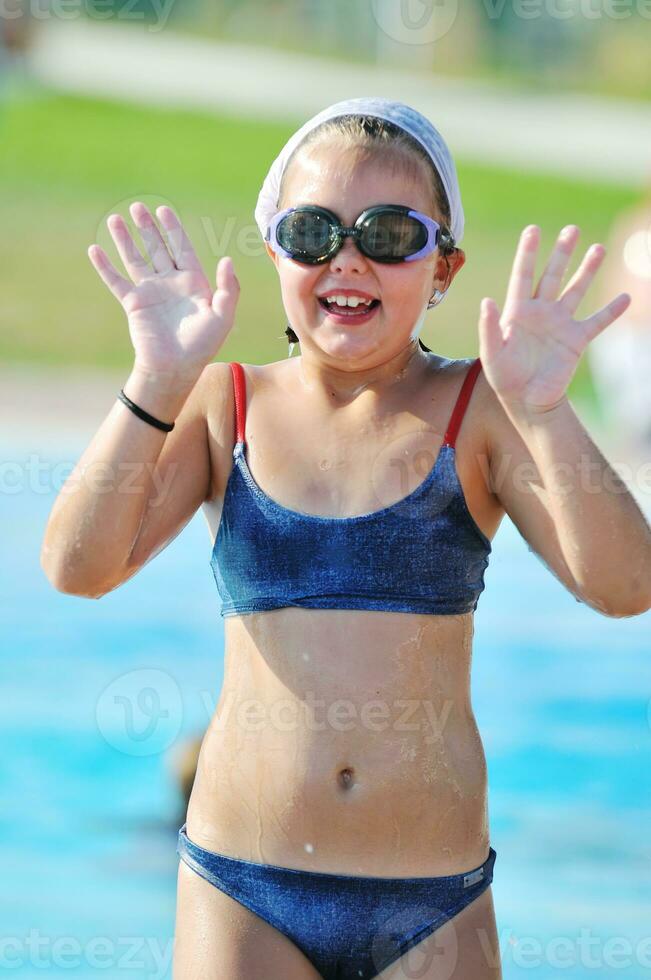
(422, 554)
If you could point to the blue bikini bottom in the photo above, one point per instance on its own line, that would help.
(348, 926)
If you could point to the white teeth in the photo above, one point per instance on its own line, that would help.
(348, 300)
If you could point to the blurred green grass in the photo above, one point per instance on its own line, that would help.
(67, 162)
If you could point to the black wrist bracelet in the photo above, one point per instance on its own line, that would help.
(145, 416)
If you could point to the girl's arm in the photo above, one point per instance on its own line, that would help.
(565, 498)
(129, 469)
(571, 506)
(135, 485)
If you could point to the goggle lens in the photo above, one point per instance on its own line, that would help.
(391, 235)
(385, 234)
(305, 232)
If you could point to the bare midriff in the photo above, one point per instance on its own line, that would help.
(344, 741)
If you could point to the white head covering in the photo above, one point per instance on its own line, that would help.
(402, 115)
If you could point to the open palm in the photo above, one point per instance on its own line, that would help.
(529, 353)
(176, 322)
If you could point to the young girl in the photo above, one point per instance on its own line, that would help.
(338, 823)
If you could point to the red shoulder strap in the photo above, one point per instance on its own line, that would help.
(239, 385)
(461, 403)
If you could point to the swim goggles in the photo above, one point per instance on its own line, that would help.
(384, 233)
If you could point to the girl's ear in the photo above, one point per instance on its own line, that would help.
(447, 268)
(454, 262)
(459, 260)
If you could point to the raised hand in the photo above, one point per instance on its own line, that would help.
(530, 351)
(177, 324)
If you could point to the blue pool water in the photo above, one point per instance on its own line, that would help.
(97, 694)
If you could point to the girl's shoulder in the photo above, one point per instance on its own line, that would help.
(449, 369)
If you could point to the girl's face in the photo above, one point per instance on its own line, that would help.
(347, 187)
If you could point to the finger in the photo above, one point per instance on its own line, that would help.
(227, 293)
(578, 285)
(491, 339)
(555, 269)
(521, 281)
(179, 244)
(155, 247)
(118, 285)
(594, 324)
(134, 263)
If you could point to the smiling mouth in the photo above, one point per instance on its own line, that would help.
(351, 311)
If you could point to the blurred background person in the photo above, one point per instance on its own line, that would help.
(182, 760)
(15, 31)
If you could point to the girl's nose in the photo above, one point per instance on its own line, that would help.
(349, 256)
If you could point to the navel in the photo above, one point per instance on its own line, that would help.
(346, 778)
